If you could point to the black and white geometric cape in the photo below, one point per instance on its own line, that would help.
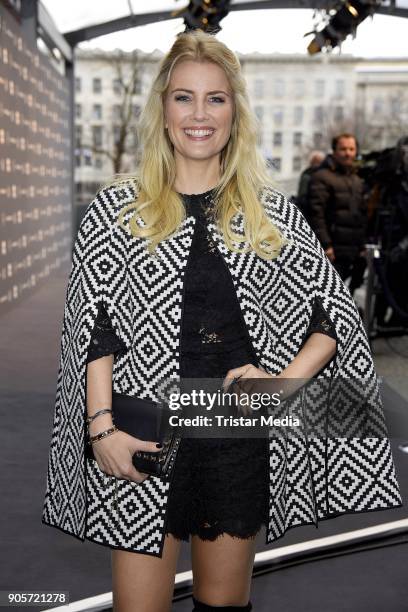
(312, 476)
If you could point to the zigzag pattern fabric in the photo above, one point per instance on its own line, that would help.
(341, 460)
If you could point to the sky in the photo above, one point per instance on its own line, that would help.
(263, 31)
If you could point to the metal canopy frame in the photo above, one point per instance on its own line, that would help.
(51, 34)
(133, 20)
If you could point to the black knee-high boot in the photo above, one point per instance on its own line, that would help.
(199, 606)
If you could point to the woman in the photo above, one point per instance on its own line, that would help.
(168, 280)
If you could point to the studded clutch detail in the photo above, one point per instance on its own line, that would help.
(149, 421)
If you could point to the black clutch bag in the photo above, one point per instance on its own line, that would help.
(149, 421)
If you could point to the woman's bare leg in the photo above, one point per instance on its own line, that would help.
(222, 570)
(143, 582)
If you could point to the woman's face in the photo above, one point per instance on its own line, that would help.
(198, 110)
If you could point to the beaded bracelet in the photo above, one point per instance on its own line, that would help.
(102, 434)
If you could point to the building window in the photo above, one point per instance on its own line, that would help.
(117, 86)
(258, 88)
(318, 140)
(78, 84)
(338, 113)
(279, 88)
(136, 109)
(278, 115)
(97, 136)
(87, 190)
(117, 112)
(97, 111)
(137, 86)
(97, 85)
(259, 112)
(339, 88)
(116, 134)
(319, 88)
(378, 106)
(78, 136)
(296, 164)
(78, 111)
(395, 107)
(98, 163)
(377, 134)
(299, 88)
(318, 114)
(277, 163)
(87, 154)
(133, 139)
(297, 139)
(277, 139)
(298, 115)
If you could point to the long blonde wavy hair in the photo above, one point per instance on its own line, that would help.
(243, 170)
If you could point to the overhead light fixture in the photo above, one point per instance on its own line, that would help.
(343, 23)
(204, 14)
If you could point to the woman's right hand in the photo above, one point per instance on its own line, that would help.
(114, 454)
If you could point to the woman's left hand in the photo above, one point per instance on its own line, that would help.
(316, 353)
(244, 372)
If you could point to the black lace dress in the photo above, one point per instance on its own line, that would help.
(218, 485)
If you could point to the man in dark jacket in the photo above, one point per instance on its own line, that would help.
(338, 213)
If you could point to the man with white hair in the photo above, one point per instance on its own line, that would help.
(315, 159)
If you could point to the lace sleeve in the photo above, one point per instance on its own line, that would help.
(320, 323)
(104, 341)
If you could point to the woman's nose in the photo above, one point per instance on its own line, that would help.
(199, 110)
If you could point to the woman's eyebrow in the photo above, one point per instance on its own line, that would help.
(208, 92)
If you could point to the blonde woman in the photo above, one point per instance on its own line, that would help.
(198, 268)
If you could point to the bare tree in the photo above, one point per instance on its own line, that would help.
(373, 130)
(386, 124)
(121, 148)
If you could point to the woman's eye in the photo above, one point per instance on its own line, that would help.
(216, 99)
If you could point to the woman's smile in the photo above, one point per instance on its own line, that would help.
(199, 134)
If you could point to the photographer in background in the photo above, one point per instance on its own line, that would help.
(338, 212)
(387, 181)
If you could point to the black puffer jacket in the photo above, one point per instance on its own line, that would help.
(337, 208)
